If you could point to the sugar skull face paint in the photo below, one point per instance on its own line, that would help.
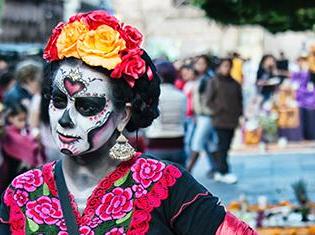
(81, 113)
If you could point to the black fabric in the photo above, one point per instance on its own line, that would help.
(4, 215)
(225, 137)
(202, 215)
(72, 226)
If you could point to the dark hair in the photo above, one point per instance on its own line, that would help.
(14, 110)
(222, 60)
(189, 67)
(166, 70)
(144, 96)
(205, 58)
(6, 78)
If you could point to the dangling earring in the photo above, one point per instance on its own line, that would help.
(122, 150)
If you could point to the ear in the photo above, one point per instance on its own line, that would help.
(124, 117)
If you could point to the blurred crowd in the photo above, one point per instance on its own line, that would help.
(204, 100)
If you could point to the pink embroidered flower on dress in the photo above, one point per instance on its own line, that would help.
(29, 181)
(44, 210)
(139, 190)
(95, 222)
(63, 233)
(146, 171)
(85, 230)
(116, 231)
(116, 204)
(21, 197)
(62, 225)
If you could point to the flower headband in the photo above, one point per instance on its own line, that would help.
(99, 39)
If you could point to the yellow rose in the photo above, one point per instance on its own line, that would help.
(67, 40)
(101, 47)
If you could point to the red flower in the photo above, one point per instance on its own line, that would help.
(139, 222)
(50, 51)
(49, 177)
(62, 233)
(85, 230)
(116, 231)
(96, 18)
(116, 204)
(8, 197)
(44, 210)
(17, 220)
(21, 197)
(132, 36)
(139, 190)
(132, 65)
(146, 171)
(29, 181)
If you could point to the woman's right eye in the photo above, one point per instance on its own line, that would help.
(59, 100)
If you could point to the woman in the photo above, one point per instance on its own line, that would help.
(103, 83)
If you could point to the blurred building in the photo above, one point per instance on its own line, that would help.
(29, 20)
(177, 29)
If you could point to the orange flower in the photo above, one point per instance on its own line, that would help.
(67, 40)
(101, 47)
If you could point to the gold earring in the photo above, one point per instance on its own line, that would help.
(122, 150)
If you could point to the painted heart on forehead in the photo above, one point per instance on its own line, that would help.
(73, 87)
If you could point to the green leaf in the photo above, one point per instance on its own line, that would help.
(46, 190)
(121, 180)
(32, 225)
(126, 217)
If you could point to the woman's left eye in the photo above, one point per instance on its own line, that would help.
(89, 106)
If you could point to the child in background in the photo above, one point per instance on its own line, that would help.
(21, 150)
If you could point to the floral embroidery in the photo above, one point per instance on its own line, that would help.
(116, 231)
(147, 171)
(62, 225)
(85, 230)
(144, 205)
(44, 210)
(139, 190)
(115, 205)
(21, 197)
(121, 204)
(49, 178)
(29, 181)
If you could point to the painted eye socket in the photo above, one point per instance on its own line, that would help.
(59, 99)
(89, 106)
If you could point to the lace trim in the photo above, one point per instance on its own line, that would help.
(95, 199)
(186, 204)
(48, 174)
(144, 205)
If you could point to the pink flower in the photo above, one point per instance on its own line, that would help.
(62, 233)
(95, 222)
(139, 190)
(116, 204)
(85, 230)
(62, 225)
(116, 231)
(146, 171)
(44, 210)
(21, 197)
(132, 66)
(29, 181)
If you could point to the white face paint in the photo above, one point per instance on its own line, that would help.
(81, 114)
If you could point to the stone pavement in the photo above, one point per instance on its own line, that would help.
(263, 174)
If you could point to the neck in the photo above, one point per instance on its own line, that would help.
(89, 168)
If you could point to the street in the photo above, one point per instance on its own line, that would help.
(268, 175)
